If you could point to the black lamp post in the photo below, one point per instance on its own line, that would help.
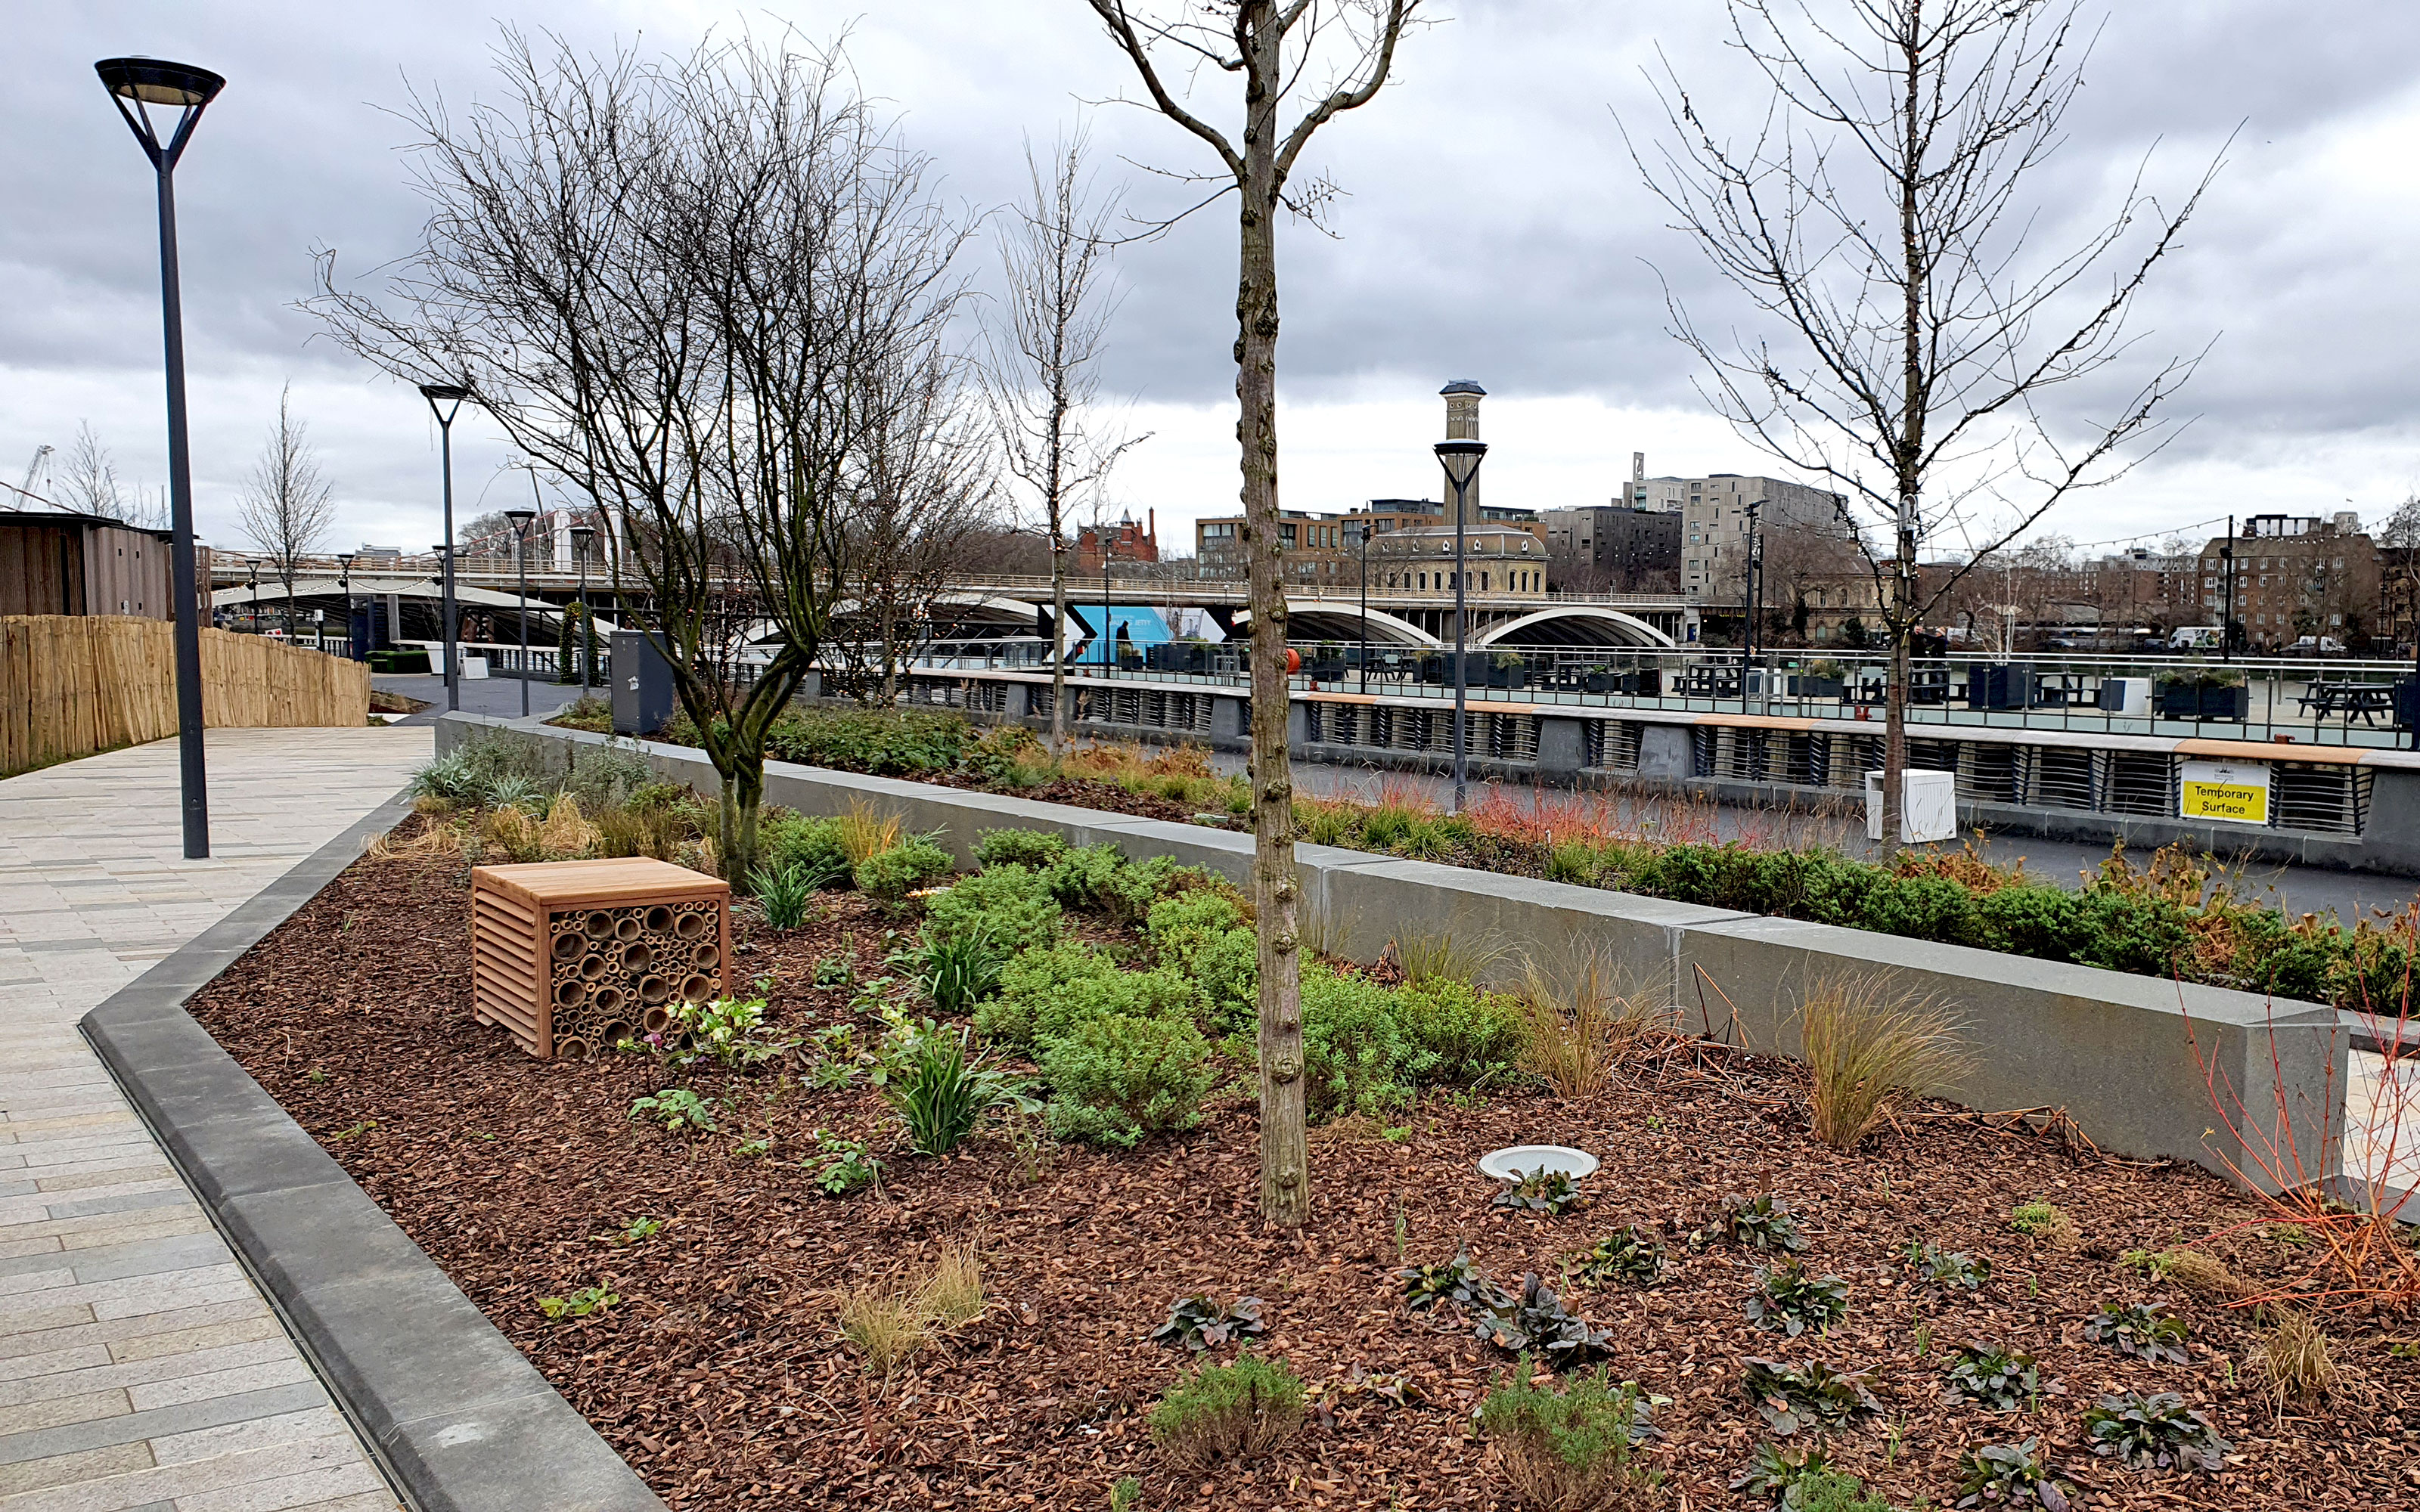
(582, 537)
(252, 580)
(1109, 632)
(136, 85)
(445, 402)
(1461, 458)
(1751, 601)
(521, 518)
(1359, 534)
(345, 581)
(2226, 614)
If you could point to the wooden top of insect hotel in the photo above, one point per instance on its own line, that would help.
(632, 879)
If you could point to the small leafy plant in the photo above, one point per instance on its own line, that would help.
(847, 1164)
(1763, 1223)
(1551, 1192)
(783, 891)
(579, 1303)
(2010, 1474)
(1570, 1447)
(1536, 1319)
(835, 971)
(2151, 1333)
(1624, 1255)
(1787, 1301)
(641, 1230)
(1198, 1323)
(1949, 1270)
(1228, 1411)
(1457, 1281)
(729, 1030)
(1994, 1379)
(1810, 1396)
(2046, 1222)
(939, 1093)
(1773, 1471)
(2156, 1432)
(678, 1109)
(957, 971)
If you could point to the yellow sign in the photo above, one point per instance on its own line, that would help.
(2234, 791)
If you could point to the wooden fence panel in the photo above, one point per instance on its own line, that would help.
(73, 685)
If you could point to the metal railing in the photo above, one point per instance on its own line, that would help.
(2331, 701)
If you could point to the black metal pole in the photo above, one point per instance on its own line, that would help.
(1461, 624)
(192, 776)
(1365, 606)
(2227, 613)
(580, 646)
(445, 596)
(521, 558)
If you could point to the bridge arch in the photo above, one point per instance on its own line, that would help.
(1331, 619)
(1575, 624)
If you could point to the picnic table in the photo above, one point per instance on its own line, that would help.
(2355, 700)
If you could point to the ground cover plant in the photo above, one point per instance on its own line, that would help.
(808, 1322)
(2180, 914)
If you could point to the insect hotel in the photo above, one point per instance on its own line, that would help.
(575, 956)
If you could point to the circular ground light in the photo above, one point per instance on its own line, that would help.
(1517, 1161)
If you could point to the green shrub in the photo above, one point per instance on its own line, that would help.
(1038, 849)
(884, 742)
(1474, 1035)
(1117, 1079)
(1004, 755)
(1010, 902)
(1574, 1448)
(810, 846)
(1203, 934)
(1032, 980)
(2156, 1432)
(1358, 1057)
(1228, 1411)
(889, 877)
(1101, 879)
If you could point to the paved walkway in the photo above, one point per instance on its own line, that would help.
(140, 1371)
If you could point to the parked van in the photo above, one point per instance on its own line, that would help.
(2317, 645)
(2197, 637)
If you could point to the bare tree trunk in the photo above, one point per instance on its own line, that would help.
(1285, 1150)
(1059, 630)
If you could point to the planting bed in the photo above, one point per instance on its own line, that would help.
(720, 1376)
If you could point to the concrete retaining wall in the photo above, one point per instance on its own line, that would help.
(2132, 1059)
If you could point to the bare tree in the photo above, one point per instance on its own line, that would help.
(922, 492)
(677, 282)
(2398, 558)
(88, 484)
(1915, 337)
(1276, 48)
(1054, 316)
(287, 505)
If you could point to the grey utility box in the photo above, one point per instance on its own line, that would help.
(642, 684)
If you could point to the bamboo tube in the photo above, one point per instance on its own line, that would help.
(597, 925)
(637, 957)
(696, 988)
(653, 989)
(688, 926)
(660, 918)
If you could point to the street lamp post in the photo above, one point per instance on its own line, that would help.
(521, 518)
(582, 536)
(134, 85)
(252, 580)
(445, 402)
(1461, 458)
(1360, 531)
(1109, 634)
(345, 581)
(1751, 600)
(2226, 615)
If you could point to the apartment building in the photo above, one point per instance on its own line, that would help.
(2294, 576)
(1616, 548)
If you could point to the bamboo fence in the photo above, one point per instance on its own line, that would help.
(73, 685)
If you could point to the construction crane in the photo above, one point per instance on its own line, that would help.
(34, 466)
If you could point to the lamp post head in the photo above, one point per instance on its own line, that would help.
(1461, 457)
(450, 395)
(582, 538)
(137, 83)
(521, 520)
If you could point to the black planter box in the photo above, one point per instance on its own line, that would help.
(2200, 700)
(2000, 687)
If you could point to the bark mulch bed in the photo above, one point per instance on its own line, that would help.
(720, 1376)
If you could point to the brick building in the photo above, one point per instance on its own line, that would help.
(1127, 542)
(2295, 576)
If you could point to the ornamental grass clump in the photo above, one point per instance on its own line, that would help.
(1228, 1413)
(1867, 1045)
(939, 1093)
(1583, 1017)
(1574, 1449)
(2292, 1359)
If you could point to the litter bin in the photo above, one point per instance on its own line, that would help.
(1928, 805)
(642, 684)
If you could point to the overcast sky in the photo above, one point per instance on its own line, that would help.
(1493, 228)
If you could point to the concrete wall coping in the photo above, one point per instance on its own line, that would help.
(457, 1418)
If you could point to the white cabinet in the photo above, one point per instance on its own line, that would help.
(1928, 805)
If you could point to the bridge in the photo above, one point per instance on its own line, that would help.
(977, 605)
